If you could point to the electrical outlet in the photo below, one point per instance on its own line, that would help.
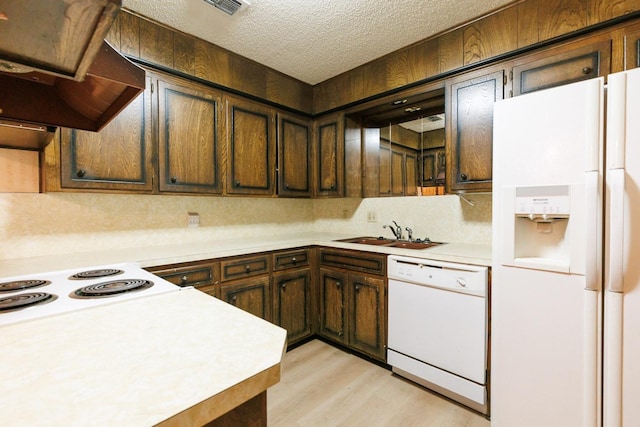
(194, 220)
(371, 216)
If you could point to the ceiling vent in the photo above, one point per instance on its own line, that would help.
(228, 6)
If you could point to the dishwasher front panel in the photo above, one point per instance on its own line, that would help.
(442, 328)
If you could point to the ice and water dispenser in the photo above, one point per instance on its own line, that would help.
(539, 228)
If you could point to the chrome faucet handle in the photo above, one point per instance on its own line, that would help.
(398, 232)
(410, 232)
(395, 233)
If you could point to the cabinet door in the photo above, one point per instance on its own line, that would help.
(562, 65)
(385, 169)
(366, 317)
(411, 174)
(332, 304)
(397, 173)
(329, 156)
(294, 156)
(292, 303)
(116, 158)
(251, 295)
(428, 175)
(189, 146)
(251, 148)
(470, 134)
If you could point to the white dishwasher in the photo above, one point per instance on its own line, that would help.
(438, 327)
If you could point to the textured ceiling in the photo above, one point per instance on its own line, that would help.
(314, 40)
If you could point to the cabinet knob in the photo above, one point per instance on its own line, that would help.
(174, 179)
(183, 279)
(283, 286)
(247, 269)
(293, 260)
(81, 173)
(587, 70)
(338, 284)
(233, 298)
(286, 186)
(463, 176)
(357, 288)
(237, 183)
(333, 187)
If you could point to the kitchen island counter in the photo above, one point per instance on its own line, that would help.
(152, 256)
(178, 358)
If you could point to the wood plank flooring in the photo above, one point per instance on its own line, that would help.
(324, 386)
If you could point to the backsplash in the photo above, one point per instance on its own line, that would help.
(53, 223)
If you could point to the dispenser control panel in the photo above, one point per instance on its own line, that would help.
(548, 201)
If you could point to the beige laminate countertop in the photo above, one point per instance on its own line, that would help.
(152, 256)
(178, 358)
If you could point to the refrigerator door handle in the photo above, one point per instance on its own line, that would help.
(614, 281)
(592, 283)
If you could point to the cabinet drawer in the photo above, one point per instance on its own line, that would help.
(193, 275)
(290, 259)
(238, 268)
(355, 260)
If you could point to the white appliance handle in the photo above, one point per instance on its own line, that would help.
(592, 282)
(614, 281)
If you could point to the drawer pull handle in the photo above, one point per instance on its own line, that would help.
(184, 279)
(587, 70)
(247, 269)
(293, 260)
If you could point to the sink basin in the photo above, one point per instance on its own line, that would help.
(412, 245)
(368, 240)
(381, 241)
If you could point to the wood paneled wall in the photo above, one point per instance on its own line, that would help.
(522, 24)
(519, 25)
(141, 38)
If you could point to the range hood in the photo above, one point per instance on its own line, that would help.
(57, 70)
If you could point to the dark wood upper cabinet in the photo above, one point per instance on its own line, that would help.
(469, 143)
(189, 149)
(116, 158)
(294, 156)
(562, 65)
(329, 155)
(251, 148)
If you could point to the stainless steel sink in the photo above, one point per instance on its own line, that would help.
(381, 241)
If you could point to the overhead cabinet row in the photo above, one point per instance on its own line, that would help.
(180, 136)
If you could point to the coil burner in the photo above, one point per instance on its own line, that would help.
(19, 285)
(96, 274)
(21, 301)
(112, 288)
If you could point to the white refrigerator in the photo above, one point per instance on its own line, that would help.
(565, 295)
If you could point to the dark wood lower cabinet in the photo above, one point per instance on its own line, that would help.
(250, 295)
(337, 293)
(353, 303)
(292, 303)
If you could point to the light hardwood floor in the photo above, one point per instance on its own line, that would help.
(325, 386)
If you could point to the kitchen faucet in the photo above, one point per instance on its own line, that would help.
(397, 230)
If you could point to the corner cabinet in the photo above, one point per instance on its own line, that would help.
(189, 143)
(294, 156)
(353, 300)
(329, 156)
(119, 157)
(251, 154)
(469, 103)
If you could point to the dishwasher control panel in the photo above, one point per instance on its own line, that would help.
(445, 275)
